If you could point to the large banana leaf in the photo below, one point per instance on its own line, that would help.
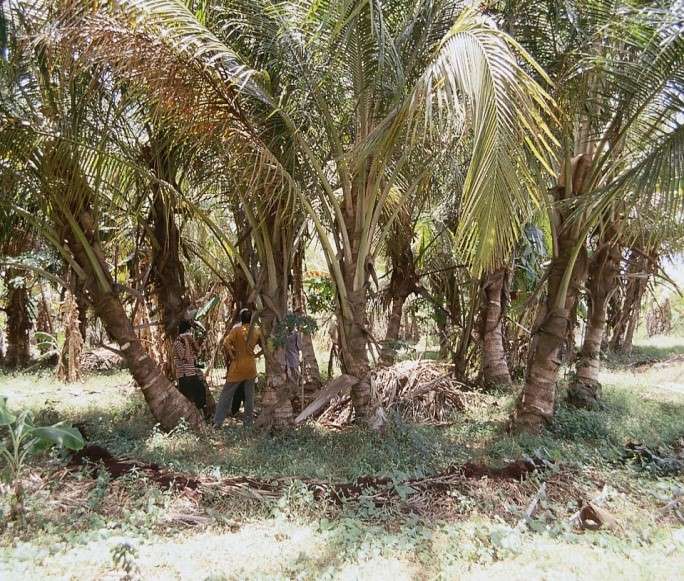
(62, 435)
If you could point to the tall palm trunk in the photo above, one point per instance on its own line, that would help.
(310, 371)
(18, 321)
(536, 405)
(586, 388)
(354, 352)
(402, 284)
(240, 289)
(639, 267)
(352, 316)
(81, 234)
(494, 364)
(44, 321)
(388, 353)
(277, 410)
(167, 272)
(166, 403)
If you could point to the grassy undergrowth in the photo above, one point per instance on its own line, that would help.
(77, 523)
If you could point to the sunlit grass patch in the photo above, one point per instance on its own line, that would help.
(473, 530)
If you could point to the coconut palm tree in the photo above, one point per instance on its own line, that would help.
(616, 66)
(54, 138)
(357, 86)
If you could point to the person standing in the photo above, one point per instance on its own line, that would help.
(185, 352)
(239, 344)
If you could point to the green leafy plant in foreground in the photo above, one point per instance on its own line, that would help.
(23, 439)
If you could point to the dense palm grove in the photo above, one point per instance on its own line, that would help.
(489, 178)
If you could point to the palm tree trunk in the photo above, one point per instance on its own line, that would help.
(277, 410)
(586, 388)
(166, 403)
(44, 321)
(443, 332)
(310, 371)
(638, 270)
(402, 284)
(82, 306)
(495, 367)
(536, 406)
(354, 351)
(240, 290)
(168, 274)
(388, 353)
(18, 321)
(537, 402)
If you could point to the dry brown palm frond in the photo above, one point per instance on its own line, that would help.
(69, 365)
(146, 71)
(421, 391)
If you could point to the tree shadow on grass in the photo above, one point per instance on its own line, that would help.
(309, 451)
(643, 355)
(405, 450)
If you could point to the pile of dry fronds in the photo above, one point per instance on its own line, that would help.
(421, 391)
(100, 359)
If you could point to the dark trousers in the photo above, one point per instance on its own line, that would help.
(192, 387)
(225, 403)
(238, 399)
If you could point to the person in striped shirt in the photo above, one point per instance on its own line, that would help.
(185, 352)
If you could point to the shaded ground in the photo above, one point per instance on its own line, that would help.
(477, 529)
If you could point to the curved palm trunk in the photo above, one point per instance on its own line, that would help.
(166, 403)
(18, 323)
(586, 388)
(495, 368)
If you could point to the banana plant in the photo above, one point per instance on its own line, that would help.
(24, 439)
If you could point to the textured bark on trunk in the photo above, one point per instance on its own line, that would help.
(277, 410)
(494, 364)
(536, 405)
(354, 352)
(402, 285)
(167, 271)
(586, 388)
(166, 403)
(443, 332)
(43, 322)
(569, 348)
(638, 270)
(388, 353)
(310, 371)
(466, 339)
(18, 323)
(168, 274)
(240, 290)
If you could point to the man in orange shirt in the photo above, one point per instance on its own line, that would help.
(239, 347)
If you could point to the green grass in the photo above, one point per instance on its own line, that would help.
(75, 521)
